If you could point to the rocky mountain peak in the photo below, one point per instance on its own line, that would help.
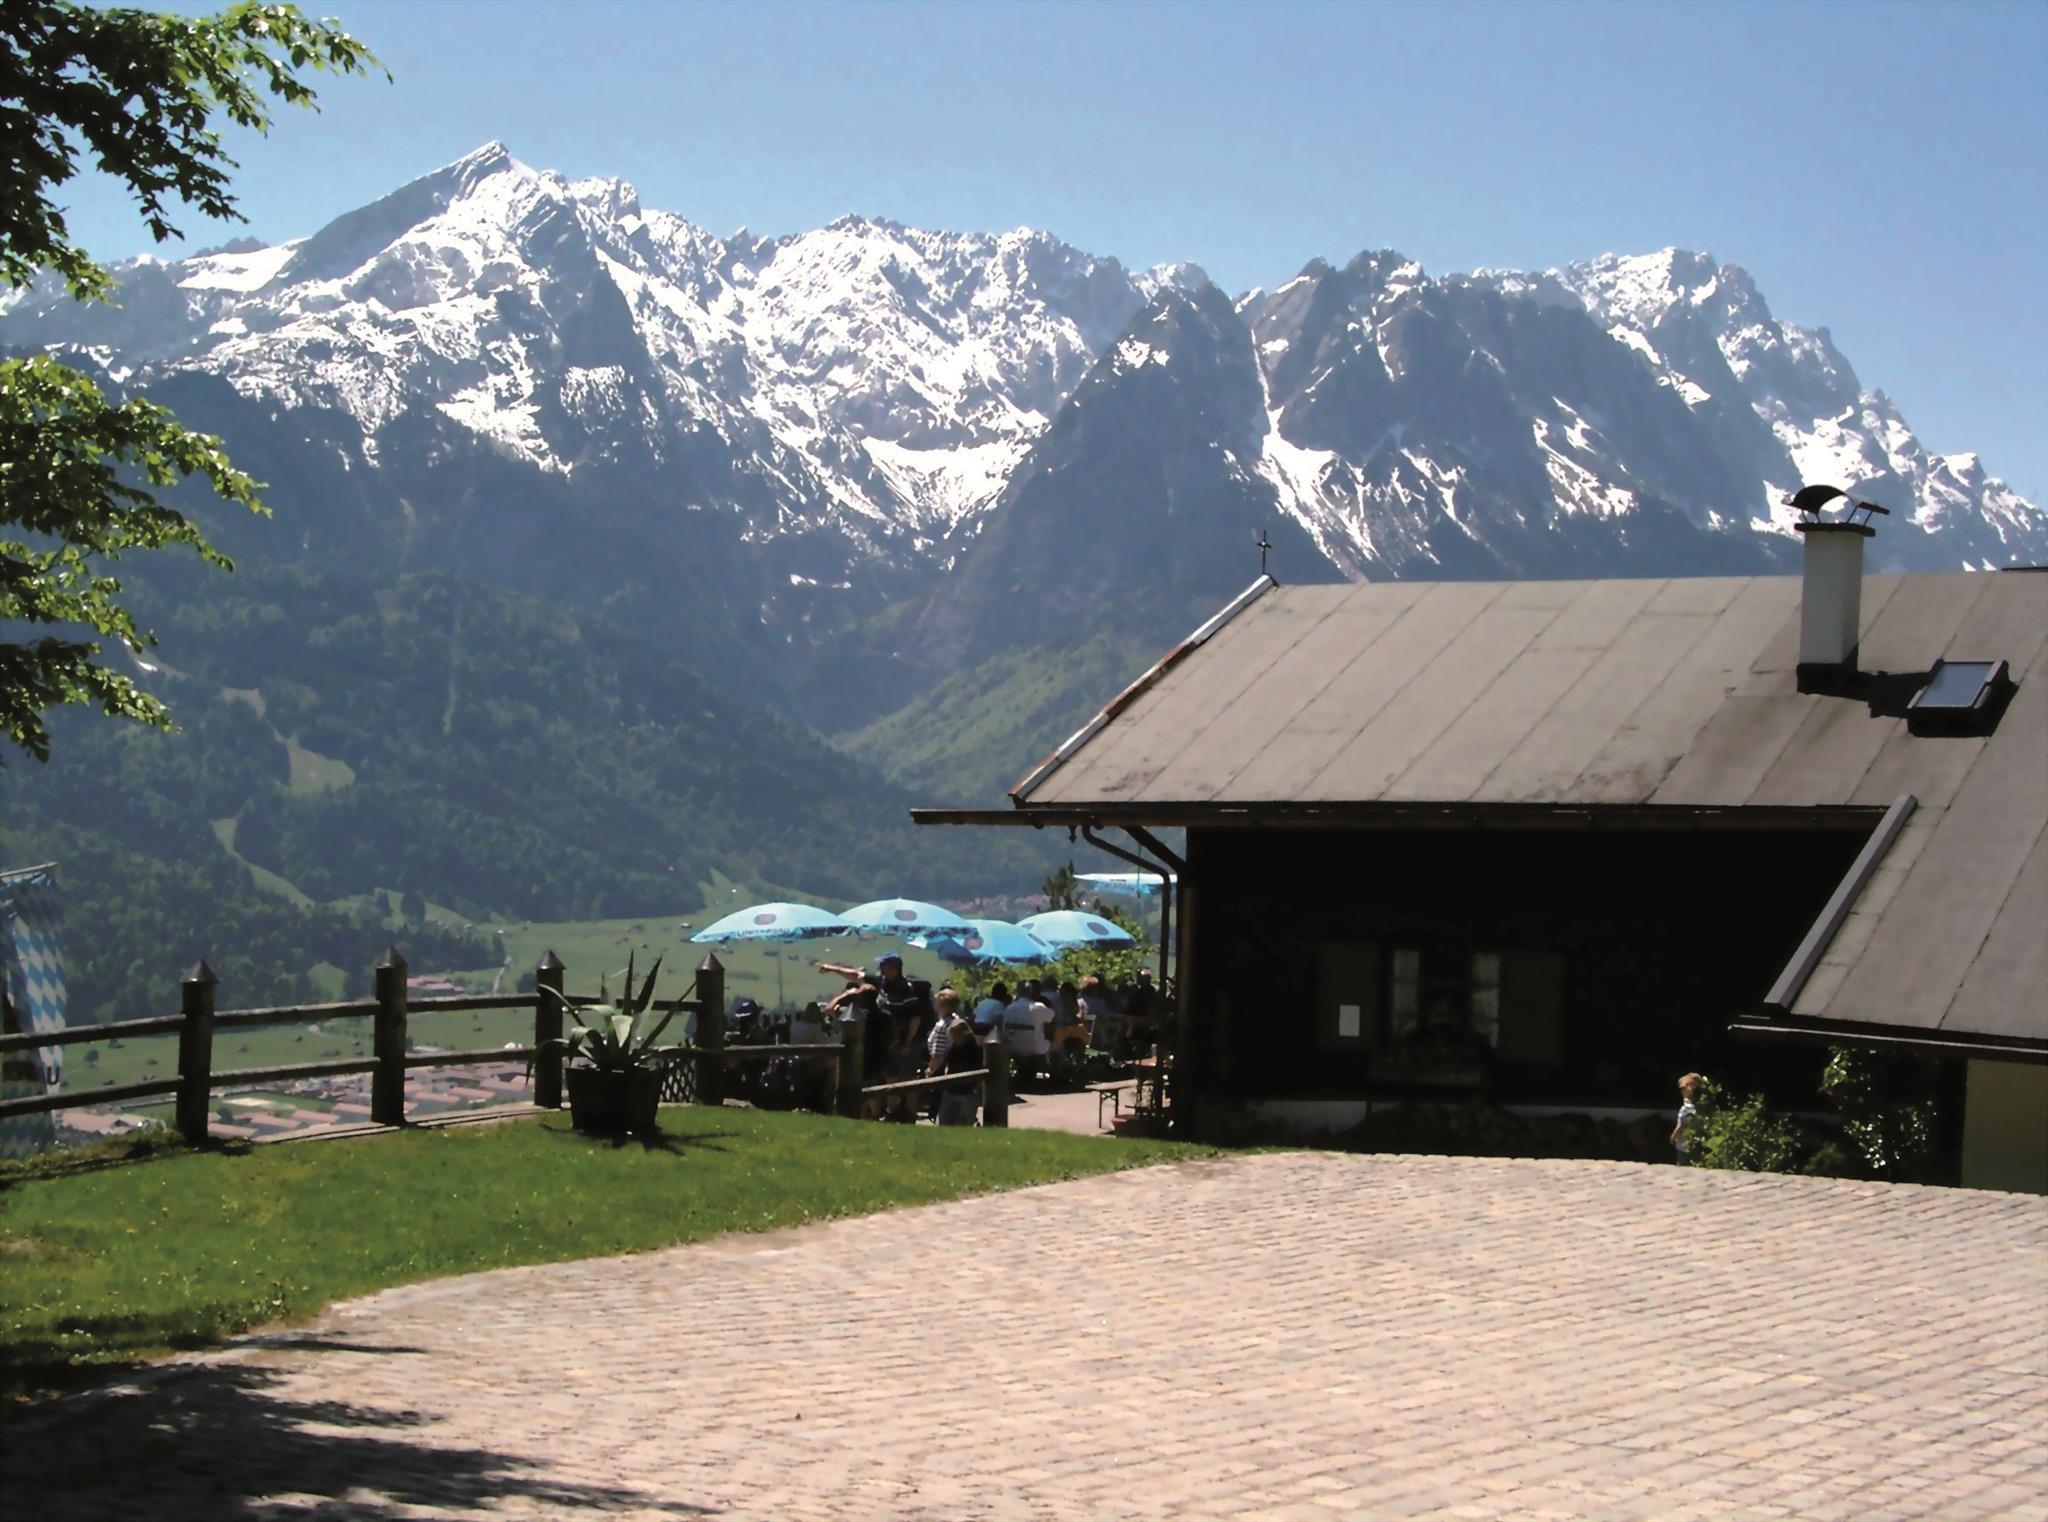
(831, 414)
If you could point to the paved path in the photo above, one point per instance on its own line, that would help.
(1303, 1337)
(1077, 1113)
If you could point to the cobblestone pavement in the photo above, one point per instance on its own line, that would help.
(1298, 1336)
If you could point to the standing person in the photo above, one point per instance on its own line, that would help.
(1099, 1014)
(1094, 999)
(908, 1004)
(947, 1000)
(1141, 1010)
(897, 1021)
(1687, 1130)
(989, 1012)
(1024, 1024)
(858, 1000)
(963, 1055)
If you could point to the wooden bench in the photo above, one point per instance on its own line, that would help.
(1111, 1094)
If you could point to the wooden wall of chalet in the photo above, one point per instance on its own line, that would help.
(1621, 957)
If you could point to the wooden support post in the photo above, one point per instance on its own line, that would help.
(1190, 1016)
(547, 1027)
(711, 1031)
(995, 1090)
(195, 1053)
(853, 1033)
(387, 1083)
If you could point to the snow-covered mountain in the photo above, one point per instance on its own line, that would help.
(1707, 333)
(532, 378)
(870, 374)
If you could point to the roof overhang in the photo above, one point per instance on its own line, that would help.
(1769, 1020)
(1405, 816)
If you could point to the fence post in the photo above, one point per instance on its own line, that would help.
(995, 1089)
(547, 1026)
(387, 1083)
(195, 1052)
(711, 1031)
(853, 1032)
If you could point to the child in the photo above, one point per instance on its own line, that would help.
(1688, 1119)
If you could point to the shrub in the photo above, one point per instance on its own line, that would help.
(1744, 1134)
(1887, 1116)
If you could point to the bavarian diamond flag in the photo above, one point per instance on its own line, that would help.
(31, 999)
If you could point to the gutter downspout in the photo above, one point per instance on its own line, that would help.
(1175, 875)
(1166, 882)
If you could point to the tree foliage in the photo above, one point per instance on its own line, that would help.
(141, 94)
(1888, 1113)
(462, 745)
(1887, 1106)
(1744, 1133)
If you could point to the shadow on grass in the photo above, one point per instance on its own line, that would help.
(647, 1141)
(222, 1443)
(119, 1152)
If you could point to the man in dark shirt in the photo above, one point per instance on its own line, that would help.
(900, 1019)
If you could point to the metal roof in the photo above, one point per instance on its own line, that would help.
(1506, 697)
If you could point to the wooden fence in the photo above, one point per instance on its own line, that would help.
(697, 1073)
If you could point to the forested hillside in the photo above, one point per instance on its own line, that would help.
(471, 746)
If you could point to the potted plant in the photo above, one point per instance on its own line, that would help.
(614, 1069)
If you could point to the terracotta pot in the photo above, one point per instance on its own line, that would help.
(613, 1101)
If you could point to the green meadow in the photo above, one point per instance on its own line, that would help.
(134, 1249)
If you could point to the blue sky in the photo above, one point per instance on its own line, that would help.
(1880, 169)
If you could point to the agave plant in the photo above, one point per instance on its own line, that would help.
(607, 1035)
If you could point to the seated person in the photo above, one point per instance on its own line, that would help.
(963, 1054)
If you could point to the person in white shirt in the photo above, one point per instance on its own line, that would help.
(1025, 1022)
(1687, 1129)
(936, 1043)
(989, 1012)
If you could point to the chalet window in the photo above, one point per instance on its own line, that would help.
(1404, 991)
(1348, 997)
(1532, 1004)
(1484, 1009)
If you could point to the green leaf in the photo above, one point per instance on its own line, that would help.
(139, 93)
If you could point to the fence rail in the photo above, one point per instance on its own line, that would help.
(293, 1014)
(697, 1074)
(285, 1071)
(117, 1094)
(482, 1056)
(161, 1025)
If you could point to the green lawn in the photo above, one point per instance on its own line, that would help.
(105, 1262)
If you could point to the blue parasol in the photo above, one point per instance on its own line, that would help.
(1140, 884)
(905, 916)
(773, 922)
(987, 941)
(1071, 927)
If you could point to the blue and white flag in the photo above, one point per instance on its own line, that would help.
(32, 959)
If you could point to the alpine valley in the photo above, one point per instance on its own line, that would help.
(933, 495)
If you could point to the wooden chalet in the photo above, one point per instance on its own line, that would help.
(1554, 843)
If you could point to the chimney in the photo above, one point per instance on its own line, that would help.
(1831, 590)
